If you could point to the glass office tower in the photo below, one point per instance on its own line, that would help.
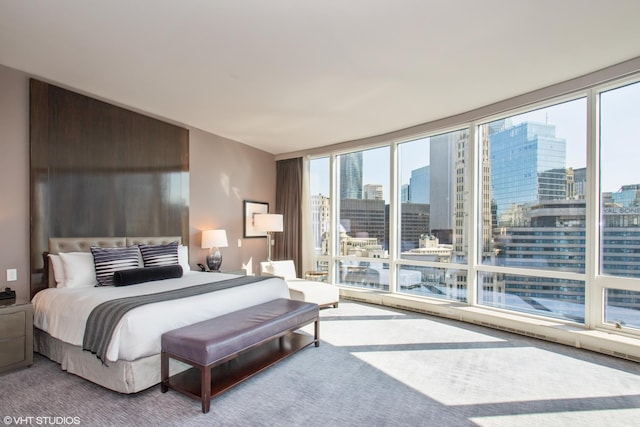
(528, 166)
(351, 175)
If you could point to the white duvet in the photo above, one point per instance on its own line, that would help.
(63, 312)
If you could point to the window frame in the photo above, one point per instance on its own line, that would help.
(589, 87)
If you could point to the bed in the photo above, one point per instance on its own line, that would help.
(132, 360)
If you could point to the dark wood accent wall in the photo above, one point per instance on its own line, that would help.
(101, 170)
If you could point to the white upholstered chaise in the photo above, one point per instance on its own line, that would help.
(323, 294)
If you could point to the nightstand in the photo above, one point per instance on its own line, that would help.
(16, 334)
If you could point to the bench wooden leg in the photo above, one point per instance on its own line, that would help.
(164, 372)
(317, 332)
(205, 388)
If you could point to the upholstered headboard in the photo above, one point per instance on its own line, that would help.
(83, 244)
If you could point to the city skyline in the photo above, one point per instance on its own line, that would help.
(533, 212)
(619, 133)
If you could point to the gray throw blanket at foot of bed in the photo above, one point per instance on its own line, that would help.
(103, 319)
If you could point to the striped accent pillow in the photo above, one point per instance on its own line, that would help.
(159, 255)
(109, 260)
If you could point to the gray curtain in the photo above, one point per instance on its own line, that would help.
(288, 203)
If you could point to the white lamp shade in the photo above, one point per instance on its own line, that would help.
(214, 239)
(268, 222)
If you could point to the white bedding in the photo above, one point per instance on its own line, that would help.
(63, 312)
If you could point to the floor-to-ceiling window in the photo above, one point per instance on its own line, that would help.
(363, 230)
(431, 220)
(320, 205)
(619, 250)
(500, 212)
(535, 165)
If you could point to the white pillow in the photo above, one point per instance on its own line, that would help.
(58, 270)
(183, 258)
(79, 269)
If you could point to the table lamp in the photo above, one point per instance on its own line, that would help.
(213, 240)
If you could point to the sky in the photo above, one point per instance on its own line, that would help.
(620, 136)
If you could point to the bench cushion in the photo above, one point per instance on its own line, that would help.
(209, 341)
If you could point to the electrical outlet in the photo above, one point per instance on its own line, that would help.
(239, 243)
(12, 275)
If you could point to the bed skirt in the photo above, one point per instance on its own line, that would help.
(121, 376)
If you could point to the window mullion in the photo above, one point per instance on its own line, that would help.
(473, 181)
(394, 219)
(594, 303)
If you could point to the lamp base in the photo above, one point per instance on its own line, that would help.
(269, 243)
(214, 259)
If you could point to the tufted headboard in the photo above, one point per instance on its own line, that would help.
(83, 244)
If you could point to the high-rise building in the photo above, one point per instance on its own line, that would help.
(488, 206)
(373, 192)
(528, 165)
(442, 160)
(580, 182)
(457, 283)
(364, 218)
(460, 199)
(351, 175)
(404, 193)
(627, 196)
(320, 214)
(572, 192)
(419, 185)
(554, 238)
(414, 223)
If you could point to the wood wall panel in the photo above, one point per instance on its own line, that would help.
(101, 170)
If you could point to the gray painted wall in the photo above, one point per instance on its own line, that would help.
(223, 173)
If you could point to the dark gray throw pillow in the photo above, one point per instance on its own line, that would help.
(146, 274)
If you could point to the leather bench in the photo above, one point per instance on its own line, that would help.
(213, 342)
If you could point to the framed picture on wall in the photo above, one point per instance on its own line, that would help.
(250, 209)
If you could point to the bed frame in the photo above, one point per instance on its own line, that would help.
(121, 376)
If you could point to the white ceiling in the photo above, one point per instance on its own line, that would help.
(288, 75)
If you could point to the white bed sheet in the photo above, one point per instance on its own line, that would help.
(63, 312)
